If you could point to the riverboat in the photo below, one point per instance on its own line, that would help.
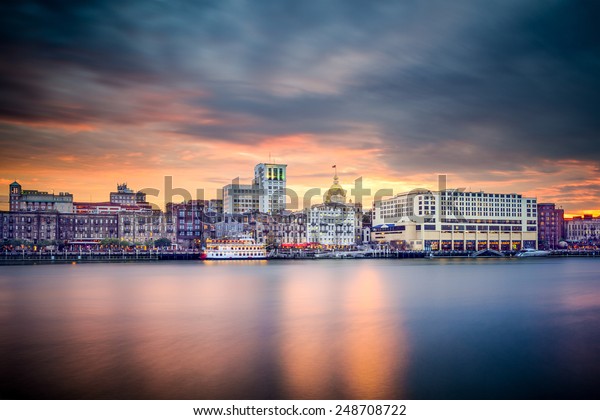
(242, 248)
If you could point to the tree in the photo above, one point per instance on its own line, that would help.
(44, 243)
(110, 242)
(162, 242)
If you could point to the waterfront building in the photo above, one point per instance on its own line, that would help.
(550, 226)
(334, 222)
(38, 201)
(144, 227)
(583, 229)
(86, 229)
(270, 179)
(127, 196)
(188, 220)
(456, 220)
(64, 228)
(272, 229)
(29, 226)
(285, 227)
(233, 225)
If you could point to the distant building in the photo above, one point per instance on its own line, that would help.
(188, 221)
(266, 194)
(270, 178)
(109, 208)
(29, 226)
(143, 227)
(215, 205)
(456, 220)
(86, 228)
(127, 196)
(38, 201)
(239, 198)
(584, 229)
(335, 222)
(234, 225)
(550, 225)
(284, 227)
(367, 225)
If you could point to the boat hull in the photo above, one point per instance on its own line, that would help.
(233, 258)
(533, 254)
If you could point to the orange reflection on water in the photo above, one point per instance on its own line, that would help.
(341, 338)
(211, 340)
(177, 332)
(374, 344)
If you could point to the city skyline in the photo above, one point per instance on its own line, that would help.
(500, 97)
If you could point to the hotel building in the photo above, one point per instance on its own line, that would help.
(34, 200)
(456, 220)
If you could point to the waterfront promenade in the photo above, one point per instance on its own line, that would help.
(41, 257)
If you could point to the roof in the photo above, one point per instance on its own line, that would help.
(15, 184)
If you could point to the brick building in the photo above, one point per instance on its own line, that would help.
(550, 226)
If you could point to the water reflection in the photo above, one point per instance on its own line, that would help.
(301, 329)
(342, 337)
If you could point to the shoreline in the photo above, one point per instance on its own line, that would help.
(103, 257)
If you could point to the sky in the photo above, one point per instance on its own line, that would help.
(500, 95)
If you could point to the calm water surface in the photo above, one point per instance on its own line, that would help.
(393, 329)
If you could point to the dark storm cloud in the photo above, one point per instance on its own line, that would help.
(515, 91)
(443, 85)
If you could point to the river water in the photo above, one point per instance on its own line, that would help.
(337, 329)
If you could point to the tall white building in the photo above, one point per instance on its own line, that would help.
(266, 194)
(457, 220)
(270, 178)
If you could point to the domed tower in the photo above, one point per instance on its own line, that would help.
(15, 195)
(335, 193)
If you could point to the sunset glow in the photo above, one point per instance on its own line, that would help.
(204, 91)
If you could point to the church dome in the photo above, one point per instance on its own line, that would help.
(335, 193)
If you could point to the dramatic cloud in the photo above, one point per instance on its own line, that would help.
(499, 95)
